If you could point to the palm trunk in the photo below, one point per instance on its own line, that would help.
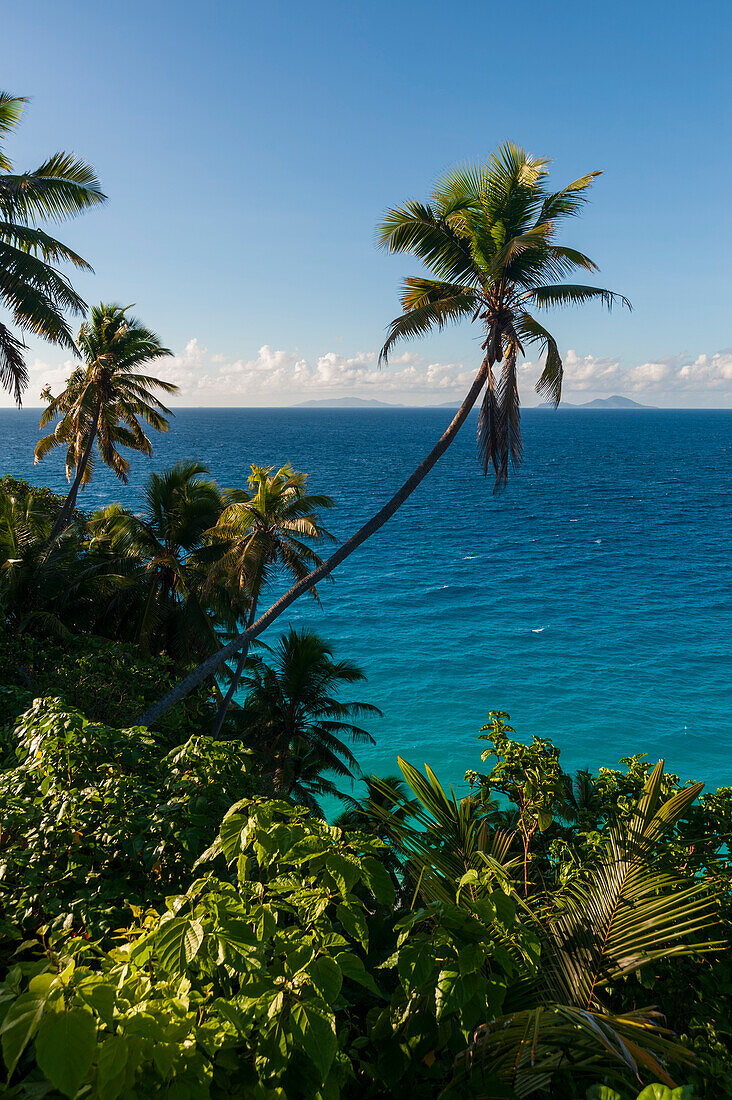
(207, 667)
(223, 709)
(70, 503)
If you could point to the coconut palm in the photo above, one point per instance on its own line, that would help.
(181, 505)
(292, 711)
(105, 400)
(264, 533)
(32, 288)
(488, 238)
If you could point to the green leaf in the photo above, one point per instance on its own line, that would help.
(471, 958)
(454, 990)
(325, 974)
(415, 964)
(178, 942)
(309, 847)
(344, 872)
(65, 1048)
(354, 923)
(662, 1092)
(238, 945)
(603, 1092)
(230, 835)
(19, 1026)
(314, 1031)
(352, 967)
(378, 880)
(111, 1067)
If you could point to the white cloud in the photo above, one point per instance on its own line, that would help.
(648, 373)
(278, 377)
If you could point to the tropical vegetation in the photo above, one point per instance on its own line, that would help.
(174, 925)
(178, 917)
(33, 289)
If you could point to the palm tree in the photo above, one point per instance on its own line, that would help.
(105, 400)
(488, 238)
(181, 505)
(31, 287)
(293, 716)
(261, 533)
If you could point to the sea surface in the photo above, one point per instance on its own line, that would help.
(592, 600)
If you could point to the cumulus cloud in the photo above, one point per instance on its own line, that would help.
(274, 376)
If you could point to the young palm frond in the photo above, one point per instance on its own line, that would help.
(623, 916)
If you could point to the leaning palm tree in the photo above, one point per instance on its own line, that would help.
(181, 505)
(105, 400)
(488, 238)
(263, 533)
(32, 288)
(292, 711)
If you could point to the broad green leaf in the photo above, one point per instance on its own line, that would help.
(603, 1092)
(344, 872)
(65, 1048)
(314, 1031)
(101, 997)
(471, 958)
(663, 1092)
(415, 964)
(111, 1067)
(352, 967)
(378, 880)
(230, 835)
(19, 1026)
(354, 923)
(454, 990)
(325, 974)
(309, 847)
(238, 945)
(178, 942)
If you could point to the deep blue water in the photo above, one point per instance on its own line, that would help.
(592, 600)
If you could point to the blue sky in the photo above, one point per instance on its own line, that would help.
(248, 151)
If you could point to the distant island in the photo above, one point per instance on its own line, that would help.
(347, 403)
(617, 401)
(614, 402)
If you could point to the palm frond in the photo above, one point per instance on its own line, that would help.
(568, 294)
(13, 371)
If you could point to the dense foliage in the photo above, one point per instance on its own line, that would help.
(171, 929)
(177, 918)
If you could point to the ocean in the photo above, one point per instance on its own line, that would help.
(592, 600)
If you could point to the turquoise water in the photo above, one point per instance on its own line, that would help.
(592, 601)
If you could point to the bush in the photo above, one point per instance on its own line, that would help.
(98, 820)
(112, 682)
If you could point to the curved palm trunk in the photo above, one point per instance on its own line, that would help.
(70, 503)
(207, 667)
(223, 709)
